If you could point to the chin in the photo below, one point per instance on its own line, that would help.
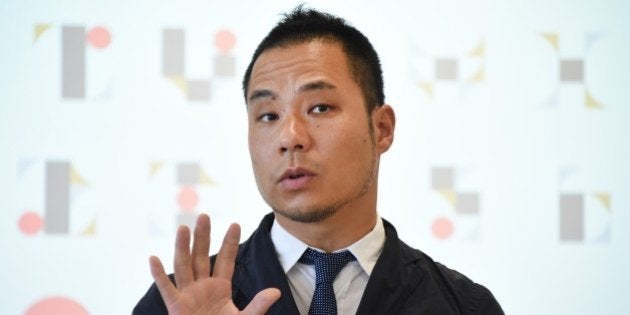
(307, 215)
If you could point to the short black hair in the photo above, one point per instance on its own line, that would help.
(304, 25)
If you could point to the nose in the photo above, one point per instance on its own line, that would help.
(294, 135)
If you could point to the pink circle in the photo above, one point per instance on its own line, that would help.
(30, 223)
(56, 305)
(442, 228)
(225, 40)
(99, 37)
(187, 198)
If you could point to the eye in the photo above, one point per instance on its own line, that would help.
(267, 117)
(321, 108)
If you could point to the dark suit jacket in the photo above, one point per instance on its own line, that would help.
(404, 281)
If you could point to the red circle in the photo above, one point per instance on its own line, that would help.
(187, 199)
(56, 305)
(224, 40)
(442, 228)
(30, 223)
(99, 37)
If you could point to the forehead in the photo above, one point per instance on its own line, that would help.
(296, 63)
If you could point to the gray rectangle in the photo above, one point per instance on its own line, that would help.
(571, 70)
(446, 69)
(187, 218)
(188, 173)
(173, 42)
(73, 62)
(57, 208)
(198, 90)
(224, 66)
(571, 217)
(467, 203)
(442, 178)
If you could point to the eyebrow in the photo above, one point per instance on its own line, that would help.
(311, 86)
(316, 85)
(261, 94)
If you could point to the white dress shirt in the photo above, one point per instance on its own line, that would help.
(351, 281)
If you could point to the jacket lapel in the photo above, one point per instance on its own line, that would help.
(258, 268)
(391, 281)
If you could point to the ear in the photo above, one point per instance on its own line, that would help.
(383, 123)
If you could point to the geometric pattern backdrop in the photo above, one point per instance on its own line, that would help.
(120, 121)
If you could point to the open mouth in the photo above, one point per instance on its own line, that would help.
(295, 173)
(297, 178)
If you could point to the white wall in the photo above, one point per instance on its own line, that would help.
(489, 111)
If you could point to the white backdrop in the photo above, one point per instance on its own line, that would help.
(121, 119)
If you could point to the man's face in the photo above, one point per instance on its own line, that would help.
(312, 149)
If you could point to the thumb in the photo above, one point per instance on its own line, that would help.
(262, 301)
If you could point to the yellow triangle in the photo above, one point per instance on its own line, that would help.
(590, 102)
(180, 82)
(76, 178)
(90, 230)
(155, 167)
(204, 179)
(478, 51)
(604, 198)
(39, 30)
(479, 76)
(427, 87)
(449, 195)
(552, 38)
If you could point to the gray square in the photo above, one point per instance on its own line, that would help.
(198, 90)
(467, 203)
(571, 217)
(446, 69)
(571, 70)
(188, 173)
(442, 178)
(187, 218)
(225, 66)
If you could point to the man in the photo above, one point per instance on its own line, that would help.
(318, 124)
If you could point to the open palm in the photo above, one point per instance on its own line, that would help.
(198, 292)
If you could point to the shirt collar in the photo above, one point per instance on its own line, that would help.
(289, 249)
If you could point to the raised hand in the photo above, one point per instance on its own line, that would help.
(197, 292)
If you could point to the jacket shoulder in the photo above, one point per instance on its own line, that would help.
(464, 294)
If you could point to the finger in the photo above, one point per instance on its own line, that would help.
(163, 283)
(201, 247)
(262, 301)
(182, 263)
(224, 265)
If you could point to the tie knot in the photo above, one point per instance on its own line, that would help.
(327, 265)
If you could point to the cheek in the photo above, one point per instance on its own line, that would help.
(260, 155)
(259, 167)
(256, 157)
(350, 153)
(254, 152)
